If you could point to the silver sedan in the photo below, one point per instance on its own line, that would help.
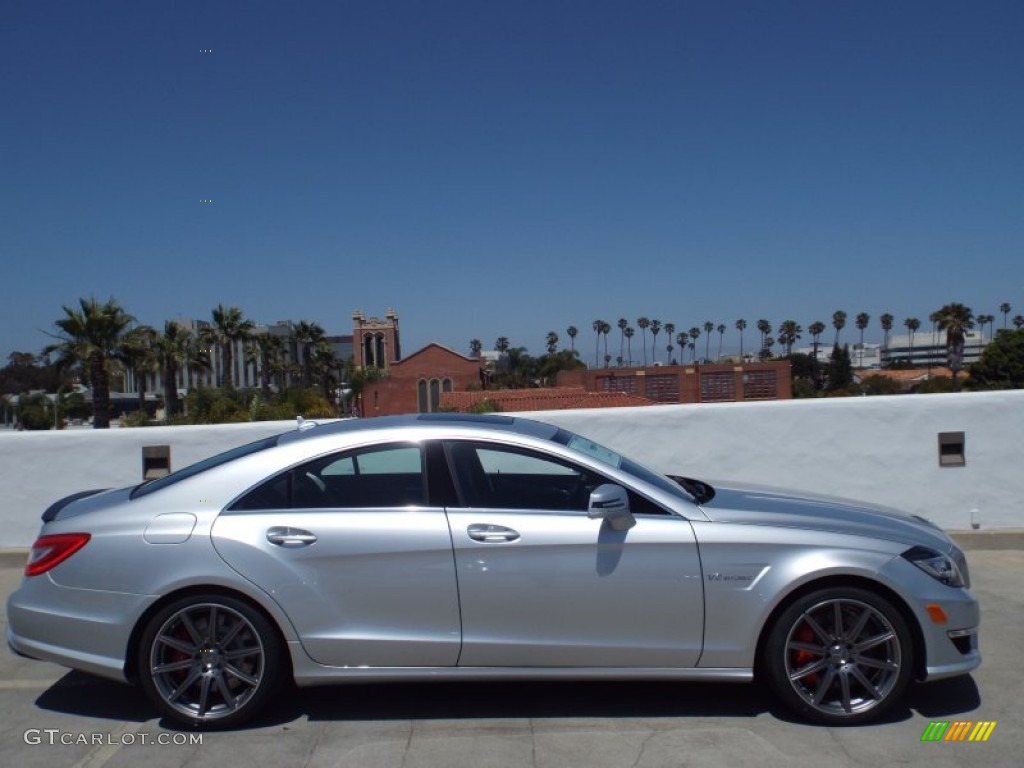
(453, 547)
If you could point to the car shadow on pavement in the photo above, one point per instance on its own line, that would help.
(78, 693)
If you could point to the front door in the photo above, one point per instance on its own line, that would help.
(542, 585)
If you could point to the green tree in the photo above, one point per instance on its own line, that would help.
(876, 384)
(229, 326)
(1005, 309)
(721, 338)
(598, 326)
(840, 370)
(643, 324)
(1018, 321)
(138, 353)
(1001, 365)
(623, 324)
(863, 318)
(709, 327)
(838, 322)
(741, 325)
(552, 342)
(694, 335)
(267, 351)
(789, 333)
(34, 411)
(571, 331)
(475, 347)
(912, 324)
(887, 321)
(670, 332)
(307, 335)
(629, 333)
(90, 337)
(765, 328)
(177, 350)
(955, 319)
(655, 330)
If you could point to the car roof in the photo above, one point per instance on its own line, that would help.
(485, 422)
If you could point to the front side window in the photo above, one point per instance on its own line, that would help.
(365, 478)
(505, 477)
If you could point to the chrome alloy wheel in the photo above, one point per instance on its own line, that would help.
(843, 657)
(206, 661)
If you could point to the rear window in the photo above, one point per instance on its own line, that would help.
(202, 466)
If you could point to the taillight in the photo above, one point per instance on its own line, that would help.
(52, 550)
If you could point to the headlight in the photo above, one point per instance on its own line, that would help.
(937, 565)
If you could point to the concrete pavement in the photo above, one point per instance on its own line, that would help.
(53, 717)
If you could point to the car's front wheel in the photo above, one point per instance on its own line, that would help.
(839, 656)
(209, 661)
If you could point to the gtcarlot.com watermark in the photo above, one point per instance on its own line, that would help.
(55, 736)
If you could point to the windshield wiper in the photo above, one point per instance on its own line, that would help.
(701, 491)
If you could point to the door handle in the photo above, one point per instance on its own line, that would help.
(491, 534)
(285, 536)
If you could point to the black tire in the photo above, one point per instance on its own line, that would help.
(205, 679)
(841, 656)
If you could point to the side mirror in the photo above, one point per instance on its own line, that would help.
(611, 503)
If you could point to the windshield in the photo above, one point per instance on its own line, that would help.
(205, 464)
(618, 461)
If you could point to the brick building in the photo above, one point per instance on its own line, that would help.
(541, 399)
(410, 385)
(700, 383)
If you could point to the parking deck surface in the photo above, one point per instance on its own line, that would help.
(53, 717)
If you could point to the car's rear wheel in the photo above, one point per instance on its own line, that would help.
(209, 661)
(839, 656)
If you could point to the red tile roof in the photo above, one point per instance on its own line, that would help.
(542, 399)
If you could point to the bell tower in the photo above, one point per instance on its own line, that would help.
(375, 341)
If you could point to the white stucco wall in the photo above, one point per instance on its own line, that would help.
(881, 449)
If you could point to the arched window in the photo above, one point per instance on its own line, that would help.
(446, 385)
(421, 396)
(435, 395)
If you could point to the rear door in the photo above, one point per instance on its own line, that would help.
(349, 547)
(541, 584)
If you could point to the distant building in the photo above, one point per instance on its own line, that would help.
(540, 399)
(700, 383)
(867, 357)
(929, 349)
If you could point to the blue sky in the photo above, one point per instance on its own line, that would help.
(504, 167)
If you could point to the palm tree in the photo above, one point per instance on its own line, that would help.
(628, 333)
(138, 353)
(912, 324)
(1005, 309)
(622, 324)
(1018, 321)
(572, 331)
(552, 342)
(741, 324)
(307, 335)
(177, 350)
(789, 333)
(266, 351)
(815, 329)
(984, 320)
(655, 330)
(694, 335)
(598, 326)
(886, 321)
(228, 327)
(708, 328)
(721, 338)
(91, 337)
(863, 318)
(765, 328)
(838, 322)
(670, 332)
(682, 339)
(606, 328)
(955, 320)
(476, 347)
(502, 344)
(643, 324)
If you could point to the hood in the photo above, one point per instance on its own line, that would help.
(765, 506)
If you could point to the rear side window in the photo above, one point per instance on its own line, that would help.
(381, 476)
